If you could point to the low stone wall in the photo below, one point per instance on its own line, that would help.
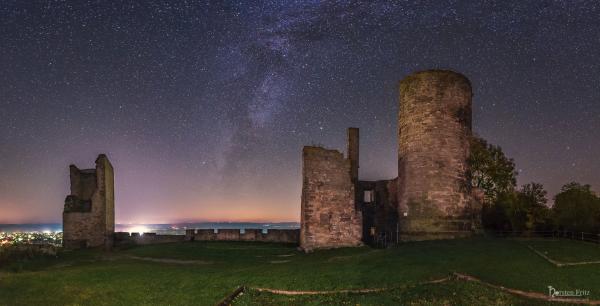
(272, 235)
(124, 238)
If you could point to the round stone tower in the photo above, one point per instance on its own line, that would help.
(434, 127)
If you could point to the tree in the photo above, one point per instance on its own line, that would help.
(577, 208)
(519, 210)
(491, 170)
(503, 213)
(533, 199)
(535, 194)
(494, 174)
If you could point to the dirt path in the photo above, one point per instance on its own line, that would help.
(344, 257)
(171, 261)
(527, 294)
(324, 292)
(455, 275)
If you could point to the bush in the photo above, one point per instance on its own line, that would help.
(523, 210)
(577, 208)
(15, 255)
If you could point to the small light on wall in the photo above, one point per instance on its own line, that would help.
(406, 214)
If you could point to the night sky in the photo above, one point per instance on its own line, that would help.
(203, 107)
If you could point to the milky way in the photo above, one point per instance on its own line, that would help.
(203, 107)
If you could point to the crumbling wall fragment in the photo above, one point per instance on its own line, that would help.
(329, 217)
(89, 211)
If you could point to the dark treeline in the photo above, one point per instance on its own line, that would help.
(526, 209)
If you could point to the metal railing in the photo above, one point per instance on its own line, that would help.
(385, 239)
(388, 239)
(581, 236)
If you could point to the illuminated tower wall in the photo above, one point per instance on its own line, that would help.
(434, 128)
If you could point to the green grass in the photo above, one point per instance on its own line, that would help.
(568, 250)
(217, 251)
(97, 278)
(448, 293)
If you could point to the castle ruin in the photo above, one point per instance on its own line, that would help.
(89, 211)
(430, 199)
(328, 213)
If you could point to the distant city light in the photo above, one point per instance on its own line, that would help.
(46, 237)
(138, 229)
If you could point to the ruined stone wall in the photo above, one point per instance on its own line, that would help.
(272, 235)
(353, 153)
(329, 217)
(88, 216)
(83, 182)
(380, 216)
(433, 136)
(106, 193)
(124, 238)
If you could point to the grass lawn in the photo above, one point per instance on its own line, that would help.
(214, 269)
(567, 250)
(448, 293)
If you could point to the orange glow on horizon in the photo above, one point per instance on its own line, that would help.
(234, 213)
(215, 219)
(213, 209)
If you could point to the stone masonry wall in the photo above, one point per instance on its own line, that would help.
(433, 136)
(106, 189)
(353, 153)
(380, 216)
(272, 235)
(329, 217)
(124, 238)
(88, 216)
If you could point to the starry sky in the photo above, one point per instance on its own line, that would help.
(203, 106)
